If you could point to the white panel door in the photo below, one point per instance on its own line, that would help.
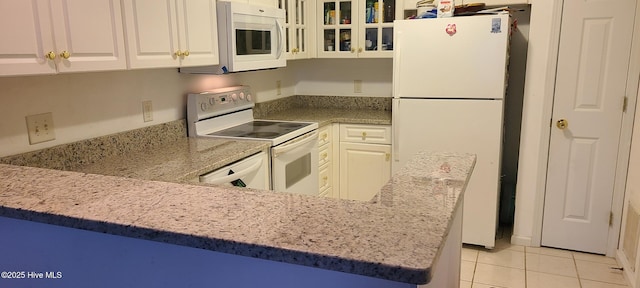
(591, 78)
(198, 33)
(469, 126)
(88, 35)
(151, 33)
(26, 37)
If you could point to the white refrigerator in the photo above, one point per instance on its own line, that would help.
(449, 81)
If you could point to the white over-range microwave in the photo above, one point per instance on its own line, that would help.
(250, 37)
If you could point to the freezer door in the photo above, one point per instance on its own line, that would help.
(469, 63)
(472, 126)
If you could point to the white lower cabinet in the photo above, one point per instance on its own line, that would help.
(328, 161)
(365, 160)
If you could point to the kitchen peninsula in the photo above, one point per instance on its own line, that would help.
(128, 203)
(395, 240)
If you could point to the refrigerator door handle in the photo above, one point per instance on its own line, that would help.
(395, 129)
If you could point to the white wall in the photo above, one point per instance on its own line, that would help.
(87, 105)
(632, 195)
(334, 77)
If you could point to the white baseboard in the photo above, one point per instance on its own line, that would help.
(521, 240)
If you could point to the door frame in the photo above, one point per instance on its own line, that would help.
(624, 147)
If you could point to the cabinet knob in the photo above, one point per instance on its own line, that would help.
(324, 179)
(387, 157)
(324, 155)
(324, 136)
(360, 50)
(65, 54)
(353, 50)
(364, 135)
(50, 55)
(178, 53)
(186, 53)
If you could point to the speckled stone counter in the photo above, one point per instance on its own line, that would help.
(396, 236)
(178, 161)
(327, 109)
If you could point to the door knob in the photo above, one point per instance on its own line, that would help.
(562, 124)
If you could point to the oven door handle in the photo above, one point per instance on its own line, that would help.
(302, 140)
(207, 178)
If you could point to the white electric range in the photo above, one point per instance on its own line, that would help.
(228, 113)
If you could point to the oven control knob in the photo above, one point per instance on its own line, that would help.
(249, 97)
(234, 96)
(241, 95)
(203, 106)
(212, 101)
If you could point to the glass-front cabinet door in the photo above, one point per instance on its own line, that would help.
(337, 29)
(297, 28)
(358, 28)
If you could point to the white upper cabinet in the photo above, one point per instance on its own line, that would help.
(171, 33)
(299, 28)
(50, 36)
(356, 28)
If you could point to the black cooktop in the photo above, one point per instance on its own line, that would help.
(261, 129)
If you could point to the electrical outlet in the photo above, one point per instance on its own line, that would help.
(357, 86)
(147, 110)
(40, 128)
(278, 87)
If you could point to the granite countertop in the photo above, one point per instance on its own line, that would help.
(326, 116)
(179, 161)
(395, 236)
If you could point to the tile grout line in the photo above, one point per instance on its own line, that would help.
(575, 265)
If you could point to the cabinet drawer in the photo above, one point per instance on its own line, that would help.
(327, 192)
(378, 134)
(324, 155)
(324, 135)
(325, 180)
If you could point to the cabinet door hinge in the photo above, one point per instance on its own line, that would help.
(625, 102)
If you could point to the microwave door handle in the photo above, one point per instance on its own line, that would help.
(231, 177)
(280, 40)
(295, 144)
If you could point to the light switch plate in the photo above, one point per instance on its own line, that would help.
(357, 86)
(147, 111)
(278, 87)
(40, 128)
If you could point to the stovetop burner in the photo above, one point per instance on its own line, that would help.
(261, 129)
(267, 135)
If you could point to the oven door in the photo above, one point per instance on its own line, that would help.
(295, 165)
(250, 172)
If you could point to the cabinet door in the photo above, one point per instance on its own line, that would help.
(376, 28)
(337, 29)
(88, 35)
(364, 169)
(298, 28)
(27, 37)
(198, 33)
(151, 33)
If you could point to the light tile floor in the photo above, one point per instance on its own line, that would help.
(512, 266)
